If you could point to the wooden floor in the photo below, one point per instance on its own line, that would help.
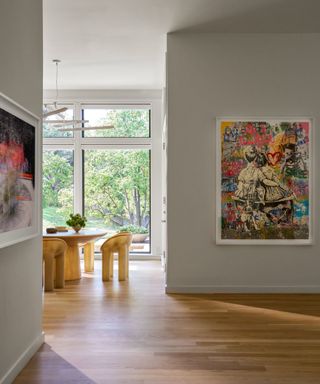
(131, 332)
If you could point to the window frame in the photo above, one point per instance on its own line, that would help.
(78, 143)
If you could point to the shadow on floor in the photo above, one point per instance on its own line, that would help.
(48, 367)
(299, 304)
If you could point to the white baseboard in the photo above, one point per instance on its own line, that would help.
(242, 289)
(22, 361)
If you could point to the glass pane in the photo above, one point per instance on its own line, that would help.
(117, 193)
(50, 130)
(126, 122)
(57, 187)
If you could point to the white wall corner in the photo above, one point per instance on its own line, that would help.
(23, 360)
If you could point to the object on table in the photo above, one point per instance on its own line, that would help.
(51, 230)
(77, 222)
(61, 229)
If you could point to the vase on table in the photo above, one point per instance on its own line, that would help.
(77, 228)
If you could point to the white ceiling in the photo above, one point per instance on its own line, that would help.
(120, 44)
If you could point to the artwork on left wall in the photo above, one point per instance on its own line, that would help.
(19, 173)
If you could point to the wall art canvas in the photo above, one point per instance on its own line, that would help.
(18, 173)
(264, 181)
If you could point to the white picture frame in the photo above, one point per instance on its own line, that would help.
(15, 117)
(220, 238)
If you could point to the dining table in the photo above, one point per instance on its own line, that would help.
(86, 238)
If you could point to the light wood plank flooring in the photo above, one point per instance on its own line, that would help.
(132, 332)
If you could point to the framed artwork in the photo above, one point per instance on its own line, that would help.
(19, 173)
(264, 175)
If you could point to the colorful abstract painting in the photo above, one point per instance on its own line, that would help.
(17, 172)
(263, 181)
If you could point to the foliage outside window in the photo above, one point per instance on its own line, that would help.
(127, 123)
(117, 187)
(57, 200)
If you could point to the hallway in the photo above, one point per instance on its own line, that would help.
(132, 332)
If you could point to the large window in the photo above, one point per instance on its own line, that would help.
(104, 173)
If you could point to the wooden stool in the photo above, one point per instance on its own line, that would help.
(120, 244)
(53, 254)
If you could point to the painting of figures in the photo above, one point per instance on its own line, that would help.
(264, 193)
(17, 172)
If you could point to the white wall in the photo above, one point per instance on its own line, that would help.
(20, 265)
(212, 75)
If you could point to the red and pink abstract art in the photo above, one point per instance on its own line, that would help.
(17, 172)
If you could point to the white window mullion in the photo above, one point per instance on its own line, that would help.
(128, 106)
(116, 146)
(58, 141)
(116, 141)
(78, 188)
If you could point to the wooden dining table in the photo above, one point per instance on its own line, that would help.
(86, 238)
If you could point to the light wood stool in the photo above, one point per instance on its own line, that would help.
(120, 244)
(53, 256)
